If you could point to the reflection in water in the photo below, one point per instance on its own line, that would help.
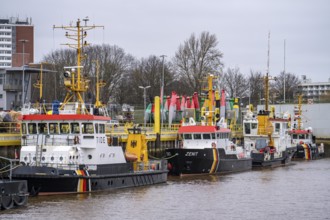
(300, 191)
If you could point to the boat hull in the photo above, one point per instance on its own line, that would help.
(46, 180)
(269, 160)
(204, 161)
(307, 152)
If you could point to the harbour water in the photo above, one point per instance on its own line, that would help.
(299, 191)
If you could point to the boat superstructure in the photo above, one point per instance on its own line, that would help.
(206, 147)
(65, 148)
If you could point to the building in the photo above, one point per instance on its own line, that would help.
(312, 91)
(16, 51)
(15, 36)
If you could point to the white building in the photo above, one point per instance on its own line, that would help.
(313, 90)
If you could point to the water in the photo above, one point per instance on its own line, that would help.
(300, 191)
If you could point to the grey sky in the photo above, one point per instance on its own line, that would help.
(153, 27)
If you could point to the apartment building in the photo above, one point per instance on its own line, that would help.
(16, 37)
(314, 90)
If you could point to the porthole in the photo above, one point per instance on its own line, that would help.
(34, 158)
(89, 156)
(43, 158)
(61, 158)
(52, 158)
(70, 158)
(25, 158)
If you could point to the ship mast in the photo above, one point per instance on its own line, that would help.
(77, 84)
(99, 84)
(267, 78)
(299, 111)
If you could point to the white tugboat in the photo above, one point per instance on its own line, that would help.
(65, 148)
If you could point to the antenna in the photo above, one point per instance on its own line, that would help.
(267, 76)
(284, 75)
(76, 84)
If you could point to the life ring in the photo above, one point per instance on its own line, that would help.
(76, 140)
(214, 145)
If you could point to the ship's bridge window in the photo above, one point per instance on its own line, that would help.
(32, 128)
(213, 135)
(247, 128)
(101, 128)
(64, 128)
(277, 127)
(206, 136)
(42, 128)
(294, 136)
(96, 128)
(187, 136)
(254, 125)
(197, 136)
(301, 136)
(23, 128)
(87, 128)
(75, 128)
(53, 128)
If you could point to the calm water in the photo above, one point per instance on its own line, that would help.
(299, 191)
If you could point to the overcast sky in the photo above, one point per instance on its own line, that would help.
(153, 27)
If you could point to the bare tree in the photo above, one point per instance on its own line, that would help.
(256, 87)
(148, 72)
(196, 58)
(235, 83)
(113, 61)
(59, 59)
(291, 86)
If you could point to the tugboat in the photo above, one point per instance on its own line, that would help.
(205, 148)
(304, 139)
(266, 137)
(65, 148)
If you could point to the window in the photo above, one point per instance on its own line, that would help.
(213, 136)
(277, 127)
(75, 128)
(187, 136)
(32, 128)
(64, 128)
(87, 128)
(197, 136)
(101, 128)
(42, 128)
(53, 128)
(1, 96)
(207, 136)
(247, 128)
(23, 128)
(96, 128)
(254, 125)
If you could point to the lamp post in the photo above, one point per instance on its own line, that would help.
(162, 89)
(144, 97)
(23, 41)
